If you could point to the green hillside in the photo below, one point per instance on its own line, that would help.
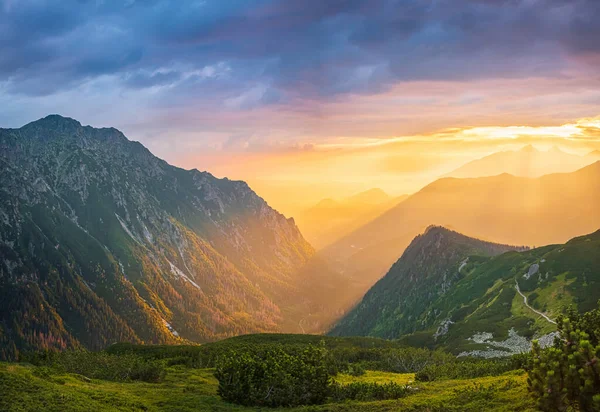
(440, 294)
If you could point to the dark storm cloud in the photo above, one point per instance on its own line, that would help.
(275, 50)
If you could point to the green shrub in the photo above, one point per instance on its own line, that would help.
(371, 353)
(364, 391)
(480, 392)
(274, 378)
(465, 368)
(99, 365)
(179, 360)
(355, 369)
(567, 375)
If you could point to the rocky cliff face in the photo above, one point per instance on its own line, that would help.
(102, 241)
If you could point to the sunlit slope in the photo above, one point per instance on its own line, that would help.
(527, 162)
(443, 290)
(503, 209)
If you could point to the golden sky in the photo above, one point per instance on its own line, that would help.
(297, 177)
(312, 102)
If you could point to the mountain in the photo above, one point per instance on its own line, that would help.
(100, 241)
(527, 162)
(504, 209)
(595, 155)
(329, 220)
(426, 270)
(460, 293)
(374, 196)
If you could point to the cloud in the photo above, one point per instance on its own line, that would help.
(289, 73)
(321, 48)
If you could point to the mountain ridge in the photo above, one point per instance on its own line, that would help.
(154, 252)
(519, 216)
(429, 266)
(440, 294)
(526, 162)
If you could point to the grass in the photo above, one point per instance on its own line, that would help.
(377, 377)
(555, 296)
(29, 388)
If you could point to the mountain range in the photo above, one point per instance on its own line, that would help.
(504, 208)
(527, 162)
(476, 297)
(100, 241)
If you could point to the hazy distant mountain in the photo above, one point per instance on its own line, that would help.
(504, 209)
(595, 155)
(100, 241)
(329, 220)
(527, 162)
(454, 291)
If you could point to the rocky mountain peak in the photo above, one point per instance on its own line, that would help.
(139, 242)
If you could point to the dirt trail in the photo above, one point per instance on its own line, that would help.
(527, 304)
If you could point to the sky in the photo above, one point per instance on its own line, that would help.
(311, 98)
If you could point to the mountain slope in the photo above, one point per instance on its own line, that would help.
(101, 241)
(504, 208)
(595, 155)
(487, 304)
(330, 220)
(527, 162)
(427, 269)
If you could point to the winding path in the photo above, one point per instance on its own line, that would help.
(527, 304)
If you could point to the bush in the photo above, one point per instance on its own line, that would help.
(99, 365)
(466, 368)
(274, 378)
(370, 353)
(567, 376)
(363, 391)
(355, 369)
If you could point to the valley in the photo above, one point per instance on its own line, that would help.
(157, 254)
(103, 242)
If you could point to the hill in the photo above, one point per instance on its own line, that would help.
(527, 162)
(100, 241)
(426, 270)
(444, 291)
(504, 209)
(329, 220)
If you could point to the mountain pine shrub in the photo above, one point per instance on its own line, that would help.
(274, 378)
(567, 376)
(366, 391)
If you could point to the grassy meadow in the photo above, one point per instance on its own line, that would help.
(182, 378)
(33, 388)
